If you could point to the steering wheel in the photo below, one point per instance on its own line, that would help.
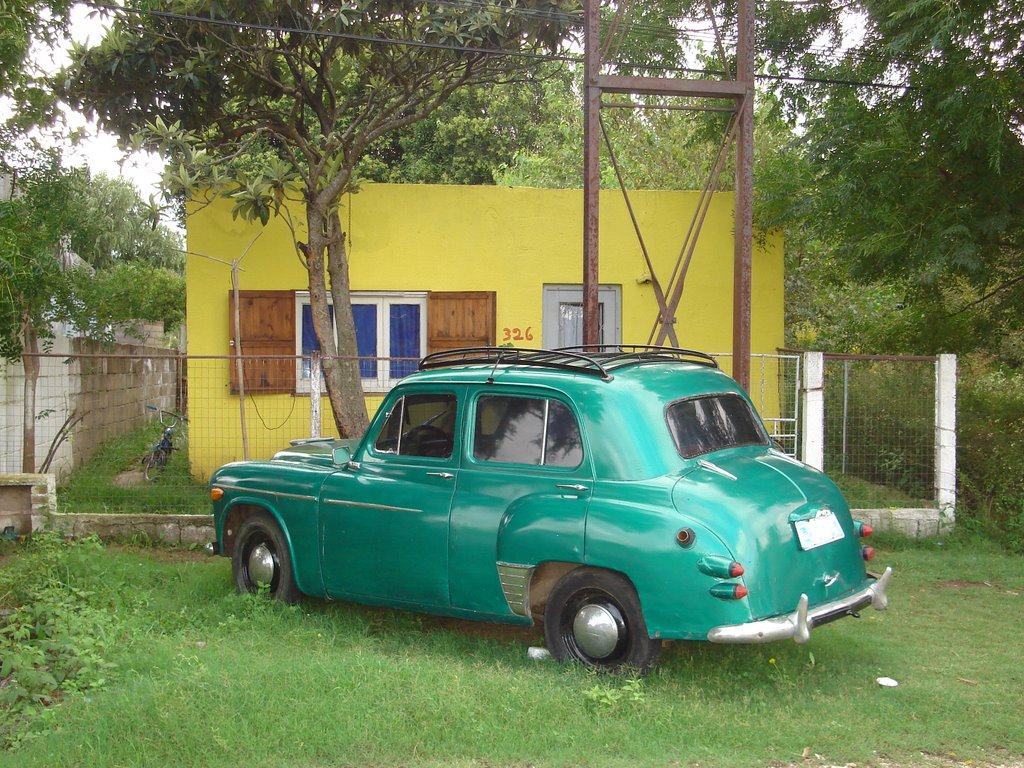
(426, 440)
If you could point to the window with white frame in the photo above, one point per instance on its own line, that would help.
(391, 336)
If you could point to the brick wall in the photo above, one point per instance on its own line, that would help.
(109, 393)
(26, 501)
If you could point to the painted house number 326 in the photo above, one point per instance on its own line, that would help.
(517, 334)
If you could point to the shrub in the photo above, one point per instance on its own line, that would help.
(990, 450)
(53, 631)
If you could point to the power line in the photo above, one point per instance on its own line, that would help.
(258, 27)
(533, 55)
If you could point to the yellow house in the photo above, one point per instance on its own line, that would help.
(437, 266)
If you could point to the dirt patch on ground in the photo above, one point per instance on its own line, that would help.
(130, 478)
(962, 584)
(923, 760)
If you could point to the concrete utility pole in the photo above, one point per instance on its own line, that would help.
(741, 91)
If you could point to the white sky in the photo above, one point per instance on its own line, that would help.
(98, 150)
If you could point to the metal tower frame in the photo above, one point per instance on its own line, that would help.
(740, 90)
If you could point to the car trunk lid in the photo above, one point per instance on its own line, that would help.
(787, 524)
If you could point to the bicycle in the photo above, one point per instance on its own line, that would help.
(153, 463)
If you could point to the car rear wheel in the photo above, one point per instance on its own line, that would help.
(261, 562)
(594, 617)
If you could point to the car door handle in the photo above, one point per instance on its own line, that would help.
(443, 475)
(573, 487)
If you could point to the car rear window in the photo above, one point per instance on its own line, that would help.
(710, 423)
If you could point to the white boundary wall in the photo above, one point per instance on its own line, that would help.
(919, 521)
(108, 393)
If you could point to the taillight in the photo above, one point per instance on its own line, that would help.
(729, 591)
(719, 566)
(867, 552)
(863, 529)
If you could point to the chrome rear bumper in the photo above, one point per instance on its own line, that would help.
(798, 624)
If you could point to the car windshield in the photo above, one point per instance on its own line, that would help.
(706, 424)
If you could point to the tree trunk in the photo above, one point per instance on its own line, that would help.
(340, 364)
(30, 362)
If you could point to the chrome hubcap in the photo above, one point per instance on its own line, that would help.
(261, 564)
(596, 631)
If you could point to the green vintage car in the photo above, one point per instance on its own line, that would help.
(624, 496)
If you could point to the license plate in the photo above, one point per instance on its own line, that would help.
(821, 529)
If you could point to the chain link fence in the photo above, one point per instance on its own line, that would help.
(775, 390)
(92, 418)
(880, 429)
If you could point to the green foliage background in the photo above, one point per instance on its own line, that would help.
(990, 449)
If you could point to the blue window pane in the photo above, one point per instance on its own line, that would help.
(310, 343)
(365, 317)
(405, 338)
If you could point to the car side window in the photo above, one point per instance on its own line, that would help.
(564, 446)
(419, 425)
(526, 430)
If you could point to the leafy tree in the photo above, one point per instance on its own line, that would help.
(127, 292)
(920, 187)
(42, 282)
(113, 226)
(32, 224)
(473, 135)
(656, 148)
(315, 86)
(24, 24)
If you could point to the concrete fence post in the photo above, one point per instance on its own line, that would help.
(814, 410)
(945, 439)
(314, 395)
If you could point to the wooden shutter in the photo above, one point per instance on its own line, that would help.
(460, 319)
(266, 322)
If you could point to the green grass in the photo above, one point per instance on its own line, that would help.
(861, 494)
(98, 485)
(207, 677)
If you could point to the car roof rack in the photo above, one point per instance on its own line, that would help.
(617, 355)
(563, 360)
(597, 360)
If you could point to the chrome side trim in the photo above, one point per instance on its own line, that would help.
(298, 496)
(366, 505)
(712, 467)
(798, 624)
(247, 489)
(515, 583)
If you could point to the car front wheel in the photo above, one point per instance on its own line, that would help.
(594, 617)
(261, 561)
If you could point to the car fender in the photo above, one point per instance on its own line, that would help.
(541, 527)
(306, 570)
(659, 550)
